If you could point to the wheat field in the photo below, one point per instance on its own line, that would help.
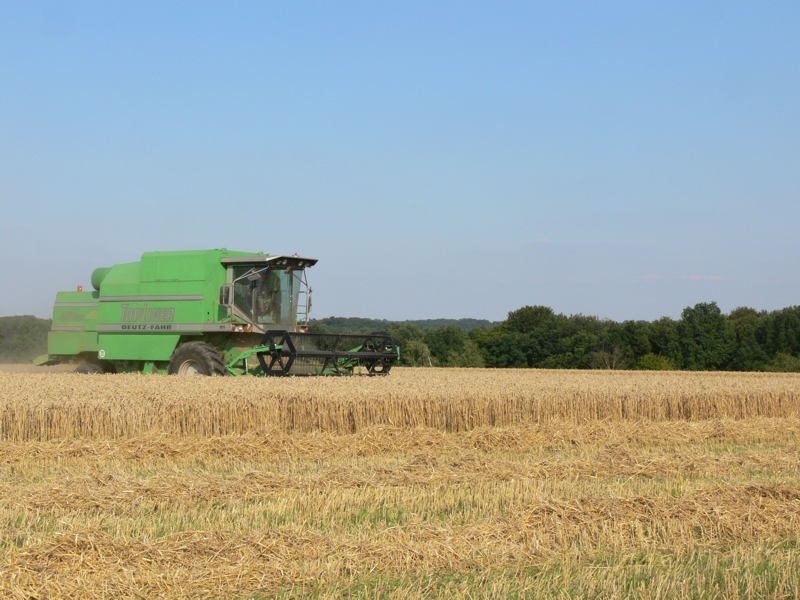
(33, 407)
(425, 483)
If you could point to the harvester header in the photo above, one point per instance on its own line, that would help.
(211, 312)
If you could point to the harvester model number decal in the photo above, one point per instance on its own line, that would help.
(147, 319)
(72, 316)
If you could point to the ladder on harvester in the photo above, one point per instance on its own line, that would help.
(303, 308)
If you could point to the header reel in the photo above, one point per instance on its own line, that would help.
(285, 353)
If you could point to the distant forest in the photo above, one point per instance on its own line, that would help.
(703, 339)
(358, 325)
(535, 336)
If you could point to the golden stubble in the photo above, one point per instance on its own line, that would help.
(523, 482)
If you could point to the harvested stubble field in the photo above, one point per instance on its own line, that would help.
(429, 482)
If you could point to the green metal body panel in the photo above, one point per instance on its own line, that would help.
(74, 328)
(138, 346)
(142, 309)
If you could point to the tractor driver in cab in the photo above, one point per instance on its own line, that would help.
(267, 297)
(258, 295)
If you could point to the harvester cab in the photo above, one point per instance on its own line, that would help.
(209, 312)
(268, 292)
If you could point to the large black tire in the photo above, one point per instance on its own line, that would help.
(196, 358)
(89, 369)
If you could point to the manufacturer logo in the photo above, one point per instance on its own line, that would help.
(147, 315)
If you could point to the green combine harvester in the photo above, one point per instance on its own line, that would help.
(205, 312)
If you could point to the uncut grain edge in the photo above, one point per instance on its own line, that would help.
(40, 408)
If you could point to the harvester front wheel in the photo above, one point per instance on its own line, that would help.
(196, 358)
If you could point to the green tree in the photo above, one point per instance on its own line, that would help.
(621, 344)
(705, 338)
(413, 351)
(469, 356)
(501, 349)
(415, 354)
(575, 351)
(402, 334)
(781, 332)
(611, 358)
(317, 327)
(655, 362)
(784, 363)
(665, 340)
(528, 319)
(443, 341)
(748, 355)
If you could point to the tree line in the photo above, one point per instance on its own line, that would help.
(361, 325)
(703, 338)
(536, 337)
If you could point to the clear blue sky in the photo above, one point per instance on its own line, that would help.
(441, 159)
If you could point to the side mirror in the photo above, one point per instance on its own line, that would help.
(225, 295)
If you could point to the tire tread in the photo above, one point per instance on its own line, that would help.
(209, 356)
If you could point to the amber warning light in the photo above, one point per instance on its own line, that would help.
(80, 288)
